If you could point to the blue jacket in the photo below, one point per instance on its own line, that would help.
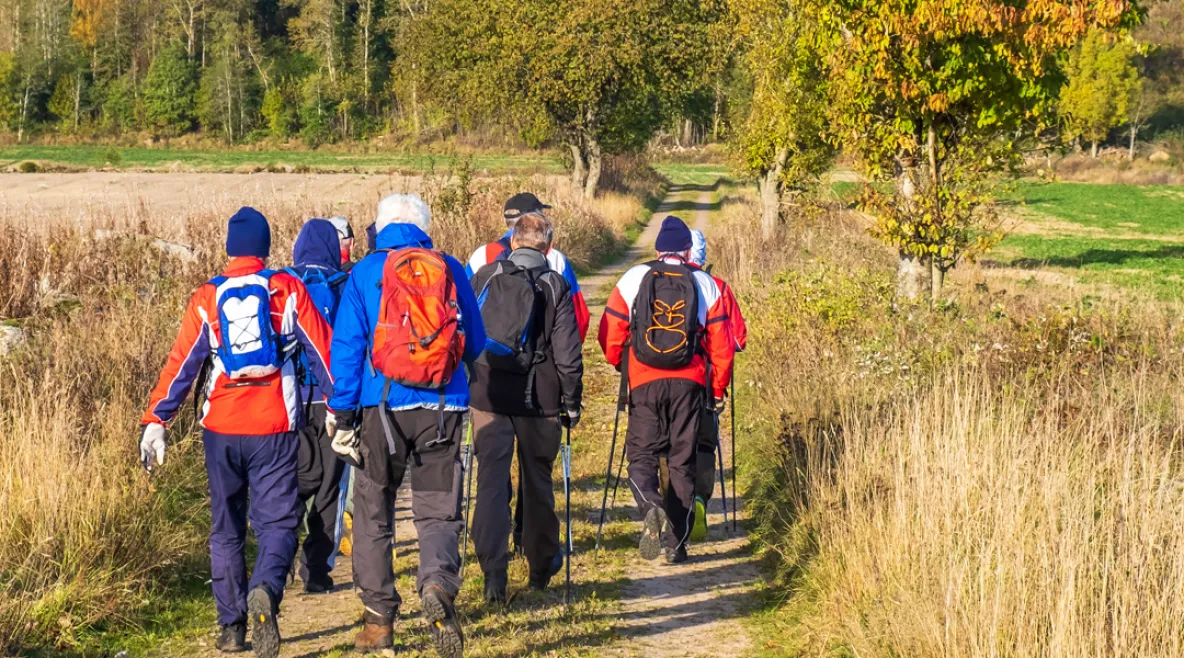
(319, 248)
(355, 381)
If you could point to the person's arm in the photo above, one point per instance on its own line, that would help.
(189, 352)
(614, 327)
(349, 344)
(314, 334)
(579, 305)
(567, 349)
(720, 347)
(470, 312)
(735, 318)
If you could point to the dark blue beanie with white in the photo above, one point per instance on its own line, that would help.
(248, 234)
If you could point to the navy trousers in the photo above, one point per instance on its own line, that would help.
(263, 470)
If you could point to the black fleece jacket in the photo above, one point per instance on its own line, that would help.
(558, 379)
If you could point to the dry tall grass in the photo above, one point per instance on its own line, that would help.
(1002, 477)
(84, 535)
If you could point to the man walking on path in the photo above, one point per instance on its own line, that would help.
(407, 313)
(248, 321)
(709, 428)
(665, 328)
(525, 391)
(317, 257)
(516, 207)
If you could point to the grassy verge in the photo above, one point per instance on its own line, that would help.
(164, 159)
(921, 472)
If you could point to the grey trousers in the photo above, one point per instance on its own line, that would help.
(537, 446)
(431, 441)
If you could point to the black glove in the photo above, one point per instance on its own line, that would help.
(570, 418)
(719, 404)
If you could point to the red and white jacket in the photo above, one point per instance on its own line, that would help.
(490, 252)
(267, 405)
(736, 323)
(717, 341)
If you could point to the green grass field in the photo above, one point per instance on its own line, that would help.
(85, 157)
(1121, 235)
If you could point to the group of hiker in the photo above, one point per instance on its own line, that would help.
(329, 371)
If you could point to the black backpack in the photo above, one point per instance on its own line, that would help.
(665, 325)
(511, 304)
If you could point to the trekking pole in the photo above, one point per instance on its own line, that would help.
(617, 482)
(567, 495)
(735, 500)
(468, 463)
(723, 478)
(612, 448)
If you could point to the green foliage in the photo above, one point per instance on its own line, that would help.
(28, 167)
(113, 157)
(9, 107)
(119, 107)
(61, 103)
(280, 113)
(1103, 84)
(169, 90)
(785, 121)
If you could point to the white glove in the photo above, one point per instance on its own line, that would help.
(152, 445)
(345, 443)
(330, 423)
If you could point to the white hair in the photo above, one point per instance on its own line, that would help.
(403, 209)
(342, 225)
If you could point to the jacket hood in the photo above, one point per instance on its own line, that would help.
(528, 259)
(318, 246)
(398, 236)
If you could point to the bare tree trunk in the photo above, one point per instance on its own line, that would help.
(688, 132)
(936, 281)
(910, 269)
(770, 187)
(578, 171)
(1134, 135)
(594, 164)
(415, 101)
(1093, 152)
(77, 98)
(715, 112)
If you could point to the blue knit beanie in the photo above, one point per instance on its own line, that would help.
(248, 234)
(674, 237)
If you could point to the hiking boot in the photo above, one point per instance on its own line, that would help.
(676, 555)
(265, 634)
(495, 587)
(441, 618)
(378, 632)
(656, 523)
(318, 584)
(232, 638)
(699, 530)
(539, 581)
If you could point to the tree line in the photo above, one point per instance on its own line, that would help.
(936, 96)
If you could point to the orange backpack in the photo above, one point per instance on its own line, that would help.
(418, 341)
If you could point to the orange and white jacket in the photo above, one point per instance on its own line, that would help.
(267, 405)
(717, 341)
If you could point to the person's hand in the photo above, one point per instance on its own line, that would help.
(570, 418)
(152, 445)
(719, 404)
(330, 423)
(346, 443)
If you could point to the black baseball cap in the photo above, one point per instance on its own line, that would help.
(521, 204)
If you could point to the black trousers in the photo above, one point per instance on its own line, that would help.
(705, 454)
(430, 441)
(496, 438)
(664, 421)
(318, 476)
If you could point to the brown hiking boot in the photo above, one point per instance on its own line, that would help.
(377, 633)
